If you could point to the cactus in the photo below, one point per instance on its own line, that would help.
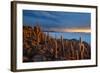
(48, 36)
(82, 48)
(72, 51)
(37, 33)
(45, 39)
(56, 50)
(62, 44)
(77, 55)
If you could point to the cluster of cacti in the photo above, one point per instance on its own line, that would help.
(40, 46)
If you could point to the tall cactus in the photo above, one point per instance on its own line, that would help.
(82, 48)
(45, 38)
(62, 44)
(77, 55)
(72, 51)
(37, 33)
(56, 46)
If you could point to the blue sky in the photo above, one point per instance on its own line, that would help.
(57, 20)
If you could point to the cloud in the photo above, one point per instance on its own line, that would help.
(75, 30)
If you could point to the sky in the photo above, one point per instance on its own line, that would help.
(53, 21)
